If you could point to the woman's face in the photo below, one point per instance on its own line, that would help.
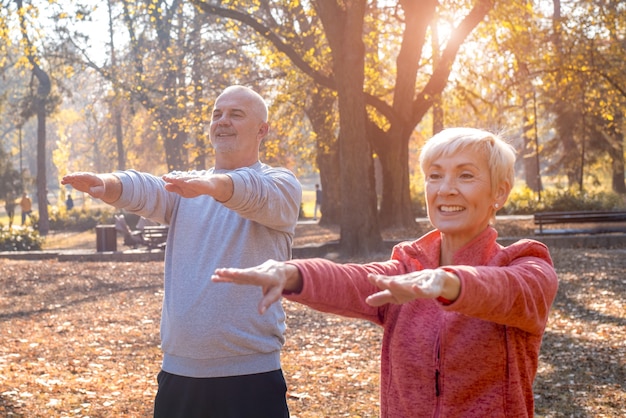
(458, 195)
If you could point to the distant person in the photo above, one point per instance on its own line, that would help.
(69, 203)
(26, 205)
(9, 207)
(463, 316)
(221, 359)
(318, 201)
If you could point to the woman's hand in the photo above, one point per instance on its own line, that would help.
(273, 276)
(416, 285)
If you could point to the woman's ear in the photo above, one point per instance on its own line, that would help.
(502, 193)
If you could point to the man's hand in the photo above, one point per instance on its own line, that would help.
(191, 184)
(88, 183)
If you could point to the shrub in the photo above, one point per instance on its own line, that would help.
(523, 201)
(78, 219)
(566, 200)
(20, 239)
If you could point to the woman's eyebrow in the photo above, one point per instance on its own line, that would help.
(461, 165)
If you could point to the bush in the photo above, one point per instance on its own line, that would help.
(78, 219)
(20, 239)
(523, 201)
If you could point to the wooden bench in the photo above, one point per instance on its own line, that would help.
(596, 222)
(155, 236)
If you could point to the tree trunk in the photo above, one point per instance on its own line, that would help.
(566, 118)
(529, 153)
(43, 91)
(360, 233)
(616, 153)
(116, 110)
(396, 209)
(42, 188)
(174, 139)
(617, 164)
(119, 135)
(327, 157)
(200, 107)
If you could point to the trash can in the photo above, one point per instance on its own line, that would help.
(106, 237)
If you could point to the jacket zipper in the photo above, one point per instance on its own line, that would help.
(437, 375)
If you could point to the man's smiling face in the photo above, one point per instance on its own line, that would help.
(237, 128)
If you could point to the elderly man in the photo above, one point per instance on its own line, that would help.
(221, 359)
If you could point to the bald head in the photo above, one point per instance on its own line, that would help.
(256, 102)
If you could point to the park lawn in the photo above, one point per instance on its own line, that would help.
(82, 340)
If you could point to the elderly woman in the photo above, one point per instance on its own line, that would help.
(463, 316)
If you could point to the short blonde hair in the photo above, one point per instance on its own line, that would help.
(500, 154)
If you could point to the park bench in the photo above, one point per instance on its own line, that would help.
(152, 236)
(580, 222)
(155, 236)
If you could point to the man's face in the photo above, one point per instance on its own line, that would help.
(237, 128)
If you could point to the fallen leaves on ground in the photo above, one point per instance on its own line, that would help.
(82, 340)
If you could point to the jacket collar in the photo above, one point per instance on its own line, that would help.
(426, 250)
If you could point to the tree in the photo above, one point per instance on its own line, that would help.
(39, 101)
(10, 178)
(117, 96)
(584, 90)
(343, 24)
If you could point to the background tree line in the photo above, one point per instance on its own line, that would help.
(355, 87)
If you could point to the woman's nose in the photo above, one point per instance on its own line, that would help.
(447, 186)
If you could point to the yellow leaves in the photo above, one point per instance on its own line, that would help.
(22, 62)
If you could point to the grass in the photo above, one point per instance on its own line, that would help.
(75, 240)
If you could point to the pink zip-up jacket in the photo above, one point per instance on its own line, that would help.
(476, 357)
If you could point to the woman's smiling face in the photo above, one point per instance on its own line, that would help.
(459, 194)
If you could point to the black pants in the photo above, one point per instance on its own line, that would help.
(260, 395)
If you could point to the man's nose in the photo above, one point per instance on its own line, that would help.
(223, 120)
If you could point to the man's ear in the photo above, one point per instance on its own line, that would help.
(264, 129)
